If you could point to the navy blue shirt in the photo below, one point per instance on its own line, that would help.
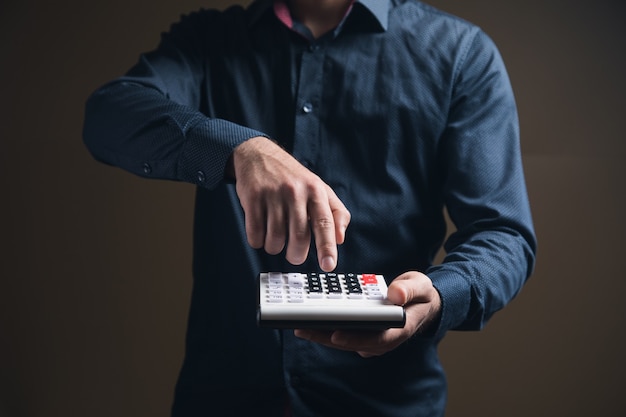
(403, 110)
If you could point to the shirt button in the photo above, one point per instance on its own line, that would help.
(147, 169)
(201, 177)
(313, 48)
(307, 108)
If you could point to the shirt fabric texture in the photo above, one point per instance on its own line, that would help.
(403, 110)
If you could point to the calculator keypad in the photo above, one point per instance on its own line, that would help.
(300, 287)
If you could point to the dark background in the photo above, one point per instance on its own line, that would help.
(95, 264)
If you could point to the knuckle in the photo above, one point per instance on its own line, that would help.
(287, 189)
(316, 188)
(323, 223)
(300, 234)
(291, 187)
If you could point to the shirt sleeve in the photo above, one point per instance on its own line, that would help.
(492, 252)
(149, 122)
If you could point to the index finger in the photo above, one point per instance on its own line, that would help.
(323, 226)
(329, 219)
(341, 215)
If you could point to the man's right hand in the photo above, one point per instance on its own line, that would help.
(283, 202)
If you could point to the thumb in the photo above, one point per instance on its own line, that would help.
(399, 291)
(410, 287)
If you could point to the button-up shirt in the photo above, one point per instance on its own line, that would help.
(404, 111)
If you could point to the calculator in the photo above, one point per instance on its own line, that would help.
(326, 301)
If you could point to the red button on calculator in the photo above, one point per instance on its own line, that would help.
(369, 279)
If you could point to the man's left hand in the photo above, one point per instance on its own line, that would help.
(422, 303)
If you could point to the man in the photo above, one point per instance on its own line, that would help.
(328, 135)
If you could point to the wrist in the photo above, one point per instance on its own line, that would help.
(239, 153)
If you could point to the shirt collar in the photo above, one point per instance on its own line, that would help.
(378, 8)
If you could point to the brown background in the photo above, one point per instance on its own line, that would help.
(95, 263)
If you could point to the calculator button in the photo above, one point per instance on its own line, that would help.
(296, 298)
(352, 280)
(374, 293)
(275, 299)
(334, 289)
(313, 278)
(275, 278)
(369, 279)
(296, 280)
(315, 288)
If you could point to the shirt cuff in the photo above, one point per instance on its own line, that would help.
(455, 293)
(208, 147)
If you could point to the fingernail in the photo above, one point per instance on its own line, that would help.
(328, 263)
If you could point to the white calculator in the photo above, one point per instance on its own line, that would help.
(326, 301)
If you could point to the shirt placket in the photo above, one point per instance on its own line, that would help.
(308, 103)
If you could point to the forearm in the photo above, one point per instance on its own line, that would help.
(137, 128)
(152, 122)
(480, 276)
